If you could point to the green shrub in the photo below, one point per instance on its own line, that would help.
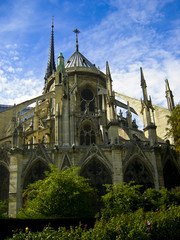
(127, 197)
(163, 224)
(121, 198)
(128, 213)
(60, 194)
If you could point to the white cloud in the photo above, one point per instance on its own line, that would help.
(15, 58)
(127, 41)
(29, 73)
(9, 69)
(11, 46)
(127, 37)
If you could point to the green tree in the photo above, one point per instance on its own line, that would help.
(126, 197)
(154, 199)
(174, 130)
(60, 194)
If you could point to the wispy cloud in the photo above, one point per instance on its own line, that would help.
(128, 34)
(128, 41)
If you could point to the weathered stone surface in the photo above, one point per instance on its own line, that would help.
(74, 123)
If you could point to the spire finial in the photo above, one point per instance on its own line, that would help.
(76, 31)
(52, 22)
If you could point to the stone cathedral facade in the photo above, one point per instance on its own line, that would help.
(75, 122)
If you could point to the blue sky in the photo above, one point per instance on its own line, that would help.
(127, 33)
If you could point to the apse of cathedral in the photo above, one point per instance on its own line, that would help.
(79, 120)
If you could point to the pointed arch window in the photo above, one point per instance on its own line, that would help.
(87, 135)
(97, 174)
(35, 173)
(138, 172)
(87, 101)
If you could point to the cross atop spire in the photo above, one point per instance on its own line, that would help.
(76, 31)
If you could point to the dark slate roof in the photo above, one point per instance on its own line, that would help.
(5, 107)
(77, 59)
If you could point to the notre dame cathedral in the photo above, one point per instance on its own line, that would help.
(75, 122)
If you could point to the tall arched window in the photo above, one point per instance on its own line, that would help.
(87, 135)
(35, 173)
(87, 101)
(138, 172)
(97, 174)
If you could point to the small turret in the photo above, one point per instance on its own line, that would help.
(60, 73)
(60, 66)
(51, 67)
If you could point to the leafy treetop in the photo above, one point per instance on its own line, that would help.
(60, 194)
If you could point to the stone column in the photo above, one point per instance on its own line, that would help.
(15, 182)
(159, 166)
(58, 114)
(155, 170)
(65, 123)
(117, 166)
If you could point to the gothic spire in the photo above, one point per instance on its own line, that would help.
(143, 81)
(108, 78)
(144, 86)
(169, 96)
(51, 67)
(108, 73)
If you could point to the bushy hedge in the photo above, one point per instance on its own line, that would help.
(128, 197)
(129, 213)
(162, 224)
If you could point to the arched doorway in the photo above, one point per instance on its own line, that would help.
(171, 175)
(35, 173)
(138, 172)
(4, 183)
(98, 174)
